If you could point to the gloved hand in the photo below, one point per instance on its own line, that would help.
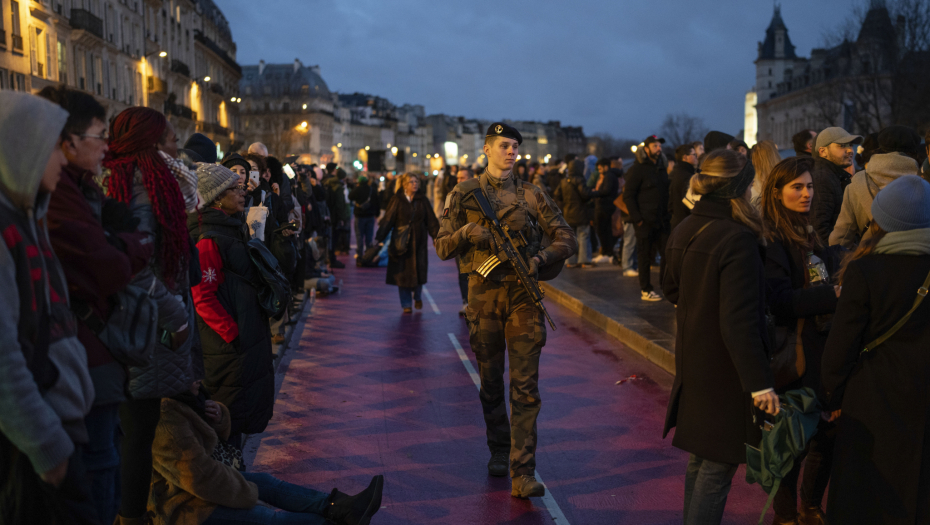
(475, 233)
(534, 266)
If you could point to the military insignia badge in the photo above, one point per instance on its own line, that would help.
(499, 129)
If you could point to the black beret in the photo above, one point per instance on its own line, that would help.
(499, 129)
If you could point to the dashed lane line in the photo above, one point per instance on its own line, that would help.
(431, 301)
(551, 505)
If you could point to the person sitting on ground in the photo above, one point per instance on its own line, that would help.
(190, 487)
(233, 327)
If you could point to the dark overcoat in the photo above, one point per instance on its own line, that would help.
(409, 269)
(721, 353)
(239, 374)
(881, 467)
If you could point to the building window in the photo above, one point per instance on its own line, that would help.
(20, 82)
(16, 30)
(4, 79)
(62, 62)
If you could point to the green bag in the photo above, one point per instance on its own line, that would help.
(782, 442)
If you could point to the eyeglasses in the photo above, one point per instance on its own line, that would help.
(105, 136)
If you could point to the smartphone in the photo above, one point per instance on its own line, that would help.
(254, 177)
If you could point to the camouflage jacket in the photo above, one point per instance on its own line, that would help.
(525, 209)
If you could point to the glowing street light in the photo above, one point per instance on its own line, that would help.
(394, 150)
(633, 149)
(305, 106)
(389, 146)
(303, 124)
(414, 155)
(206, 78)
(528, 157)
(163, 54)
(436, 156)
(339, 145)
(367, 148)
(232, 99)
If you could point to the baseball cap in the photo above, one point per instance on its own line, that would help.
(836, 135)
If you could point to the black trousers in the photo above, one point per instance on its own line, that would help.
(649, 241)
(817, 466)
(138, 418)
(605, 234)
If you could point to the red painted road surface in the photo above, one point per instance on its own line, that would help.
(368, 391)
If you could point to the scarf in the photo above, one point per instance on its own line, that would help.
(907, 242)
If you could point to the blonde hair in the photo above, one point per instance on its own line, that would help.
(717, 168)
(402, 180)
(764, 159)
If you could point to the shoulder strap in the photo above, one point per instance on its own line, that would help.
(700, 231)
(921, 293)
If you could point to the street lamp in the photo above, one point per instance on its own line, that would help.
(163, 54)
(339, 145)
(367, 148)
(206, 78)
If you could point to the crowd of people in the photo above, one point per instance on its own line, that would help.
(144, 285)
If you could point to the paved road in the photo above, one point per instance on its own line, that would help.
(369, 390)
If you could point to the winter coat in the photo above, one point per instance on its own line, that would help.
(572, 195)
(173, 370)
(95, 267)
(233, 327)
(645, 193)
(187, 483)
(46, 387)
(336, 199)
(679, 183)
(881, 460)
(855, 216)
(830, 181)
(409, 269)
(721, 353)
(604, 197)
(361, 194)
(790, 298)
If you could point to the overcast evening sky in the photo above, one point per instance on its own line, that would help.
(612, 66)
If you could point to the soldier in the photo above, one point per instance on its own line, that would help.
(501, 316)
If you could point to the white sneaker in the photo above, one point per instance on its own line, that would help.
(602, 259)
(630, 273)
(651, 296)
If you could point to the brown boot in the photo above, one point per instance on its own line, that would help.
(811, 516)
(527, 487)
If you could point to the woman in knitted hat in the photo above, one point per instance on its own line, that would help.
(881, 467)
(714, 275)
(233, 327)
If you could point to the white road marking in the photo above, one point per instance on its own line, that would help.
(431, 301)
(551, 505)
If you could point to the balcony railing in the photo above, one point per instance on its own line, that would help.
(180, 111)
(180, 67)
(83, 19)
(17, 43)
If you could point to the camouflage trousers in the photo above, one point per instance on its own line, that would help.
(502, 321)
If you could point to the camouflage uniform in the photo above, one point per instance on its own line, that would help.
(500, 313)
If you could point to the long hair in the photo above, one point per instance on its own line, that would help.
(764, 157)
(134, 136)
(782, 224)
(866, 247)
(717, 168)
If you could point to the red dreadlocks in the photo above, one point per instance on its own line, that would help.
(134, 136)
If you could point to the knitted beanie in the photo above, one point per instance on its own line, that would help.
(904, 204)
(212, 180)
(235, 159)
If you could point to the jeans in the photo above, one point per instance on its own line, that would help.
(649, 240)
(707, 484)
(628, 255)
(297, 504)
(583, 233)
(101, 459)
(364, 234)
(406, 293)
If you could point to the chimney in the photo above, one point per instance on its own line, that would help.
(261, 67)
(297, 65)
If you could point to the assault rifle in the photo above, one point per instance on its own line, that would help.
(508, 252)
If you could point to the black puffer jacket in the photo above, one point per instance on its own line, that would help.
(239, 374)
(646, 193)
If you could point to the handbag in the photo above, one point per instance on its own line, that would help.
(130, 331)
(229, 455)
(400, 241)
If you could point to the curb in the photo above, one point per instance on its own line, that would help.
(655, 353)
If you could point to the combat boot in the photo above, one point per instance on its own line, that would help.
(358, 509)
(527, 487)
(499, 464)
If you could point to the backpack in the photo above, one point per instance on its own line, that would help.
(274, 290)
(130, 331)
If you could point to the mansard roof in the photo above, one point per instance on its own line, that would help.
(767, 50)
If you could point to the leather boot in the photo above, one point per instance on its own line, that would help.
(499, 464)
(358, 509)
(811, 515)
(527, 487)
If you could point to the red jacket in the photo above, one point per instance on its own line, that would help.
(205, 300)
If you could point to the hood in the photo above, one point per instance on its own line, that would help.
(886, 167)
(29, 129)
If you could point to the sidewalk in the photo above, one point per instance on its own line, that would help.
(604, 297)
